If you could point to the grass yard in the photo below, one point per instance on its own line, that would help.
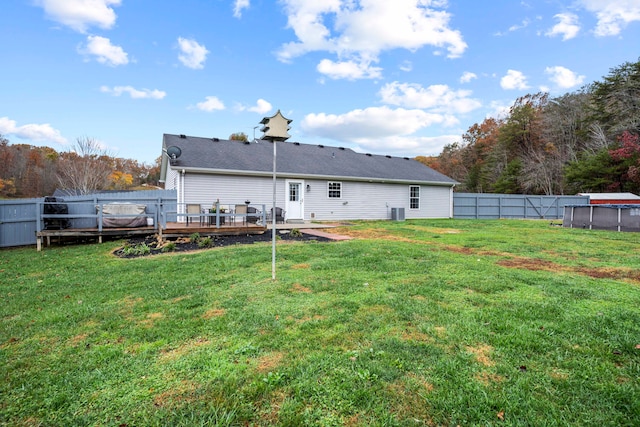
(430, 322)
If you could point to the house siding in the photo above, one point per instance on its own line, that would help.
(360, 200)
(231, 190)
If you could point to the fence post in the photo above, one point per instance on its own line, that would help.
(39, 207)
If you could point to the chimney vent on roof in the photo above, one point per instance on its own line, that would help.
(183, 136)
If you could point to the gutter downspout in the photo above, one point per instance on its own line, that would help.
(181, 205)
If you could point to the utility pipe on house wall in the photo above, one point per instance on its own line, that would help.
(181, 205)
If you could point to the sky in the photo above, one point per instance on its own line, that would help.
(401, 77)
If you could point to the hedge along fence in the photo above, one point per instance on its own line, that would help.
(21, 219)
(515, 206)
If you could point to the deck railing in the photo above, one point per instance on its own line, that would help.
(217, 215)
(86, 214)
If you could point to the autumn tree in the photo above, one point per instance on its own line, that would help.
(627, 157)
(86, 168)
(26, 170)
(239, 136)
(480, 140)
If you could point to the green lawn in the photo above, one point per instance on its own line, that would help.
(431, 322)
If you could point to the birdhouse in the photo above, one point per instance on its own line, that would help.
(275, 128)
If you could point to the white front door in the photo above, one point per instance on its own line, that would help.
(295, 200)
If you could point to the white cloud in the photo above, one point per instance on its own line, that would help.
(563, 77)
(406, 66)
(514, 80)
(613, 15)
(261, 107)
(357, 32)
(211, 103)
(380, 129)
(33, 132)
(81, 14)
(134, 93)
(409, 146)
(567, 26)
(193, 54)
(104, 51)
(524, 24)
(238, 6)
(438, 98)
(467, 76)
(372, 122)
(349, 70)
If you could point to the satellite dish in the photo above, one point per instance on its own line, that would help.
(174, 152)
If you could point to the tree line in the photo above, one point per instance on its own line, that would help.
(584, 141)
(28, 171)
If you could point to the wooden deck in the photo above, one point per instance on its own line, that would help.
(172, 230)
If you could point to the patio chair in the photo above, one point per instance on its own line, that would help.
(194, 209)
(279, 215)
(254, 215)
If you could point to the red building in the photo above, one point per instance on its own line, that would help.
(612, 198)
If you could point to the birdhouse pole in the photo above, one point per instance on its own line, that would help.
(273, 219)
(275, 129)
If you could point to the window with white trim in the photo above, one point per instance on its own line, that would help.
(334, 190)
(414, 197)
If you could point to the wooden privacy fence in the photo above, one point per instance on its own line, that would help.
(522, 206)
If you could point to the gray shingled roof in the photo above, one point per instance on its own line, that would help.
(297, 159)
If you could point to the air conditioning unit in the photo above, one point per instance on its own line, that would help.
(397, 214)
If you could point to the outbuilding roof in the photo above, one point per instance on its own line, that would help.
(213, 155)
(611, 196)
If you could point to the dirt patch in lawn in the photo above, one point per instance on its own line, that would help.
(482, 354)
(214, 312)
(185, 348)
(269, 361)
(297, 287)
(598, 273)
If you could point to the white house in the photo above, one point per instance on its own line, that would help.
(313, 182)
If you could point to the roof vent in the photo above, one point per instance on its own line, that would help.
(320, 145)
(183, 136)
(216, 139)
(296, 143)
(368, 154)
(247, 142)
(388, 156)
(341, 148)
(406, 158)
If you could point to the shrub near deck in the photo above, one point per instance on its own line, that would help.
(411, 323)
